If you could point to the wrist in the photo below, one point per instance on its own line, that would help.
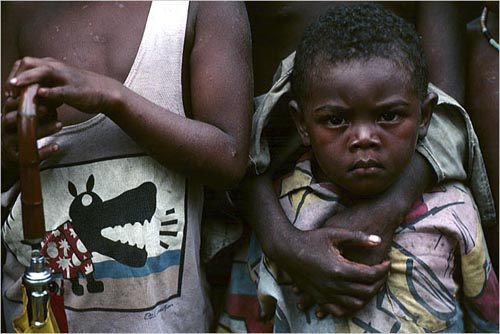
(276, 244)
(113, 101)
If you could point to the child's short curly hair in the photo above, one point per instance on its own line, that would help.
(359, 32)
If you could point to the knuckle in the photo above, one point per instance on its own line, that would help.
(358, 235)
(357, 304)
(26, 61)
(335, 272)
(371, 276)
(370, 291)
(338, 312)
(47, 68)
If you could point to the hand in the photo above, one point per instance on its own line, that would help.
(47, 125)
(341, 285)
(86, 91)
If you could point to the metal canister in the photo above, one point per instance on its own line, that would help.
(36, 280)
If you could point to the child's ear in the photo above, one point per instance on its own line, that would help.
(298, 118)
(426, 110)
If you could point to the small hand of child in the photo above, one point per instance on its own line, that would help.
(86, 91)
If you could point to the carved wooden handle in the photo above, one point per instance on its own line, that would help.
(31, 189)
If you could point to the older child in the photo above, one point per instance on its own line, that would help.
(361, 104)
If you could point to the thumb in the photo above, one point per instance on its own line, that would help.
(354, 238)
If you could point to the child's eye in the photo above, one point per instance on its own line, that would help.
(336, 120)
(389, 117)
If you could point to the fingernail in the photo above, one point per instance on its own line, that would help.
(13, 81)
(42, 91)
(55, 148)
(374, 239)
(320, 315)
(300, 306)
(59, 125)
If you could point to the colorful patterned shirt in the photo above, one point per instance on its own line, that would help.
(441, 278)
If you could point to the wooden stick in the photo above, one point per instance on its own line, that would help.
(31, 189)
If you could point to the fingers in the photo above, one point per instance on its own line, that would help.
(305, 302)
(354, 238)
(9, 153)
(54, 94)
(348, 271)
(41, 74)
(328, 291)
(10, 104)
(46, 112)
(9, 117)
(343, 306)
(47, 126)
(47, 151)
(30, 70)
(13, 72)
(47, 123)
(334, 309)
(48, 129)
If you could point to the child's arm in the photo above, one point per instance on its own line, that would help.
(211, 148)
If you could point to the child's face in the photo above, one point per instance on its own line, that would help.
(363, 120)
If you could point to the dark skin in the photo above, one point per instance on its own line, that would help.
(103, 37)
(482, 104)
(340, 286)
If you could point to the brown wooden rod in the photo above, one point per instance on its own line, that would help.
(31, 189)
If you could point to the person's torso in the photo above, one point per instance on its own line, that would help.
(99, 36)
(123, 231)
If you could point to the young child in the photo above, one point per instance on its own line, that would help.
(361, 104)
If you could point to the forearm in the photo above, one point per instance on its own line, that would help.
(381, 216)
(262, 210)
(184, 145)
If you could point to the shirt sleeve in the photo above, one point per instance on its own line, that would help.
(452, 148)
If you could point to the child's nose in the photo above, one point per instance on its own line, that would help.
(364, 137)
